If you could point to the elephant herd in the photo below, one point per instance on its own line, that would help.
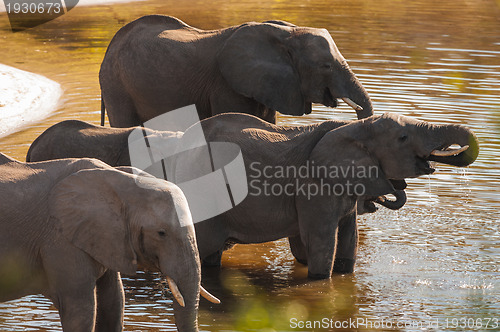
(76, 214)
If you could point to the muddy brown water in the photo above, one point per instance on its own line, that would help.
(432, 265)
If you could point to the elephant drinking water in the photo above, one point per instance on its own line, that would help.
(395, 147)
(305, 182)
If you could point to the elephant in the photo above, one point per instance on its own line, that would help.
(158, 63)
(374, 155)
(69, 227)
(79, 139)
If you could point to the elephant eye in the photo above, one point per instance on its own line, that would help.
(403, 138)
(162, 233)
(327, 66)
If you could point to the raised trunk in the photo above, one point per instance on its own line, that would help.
(446, 135)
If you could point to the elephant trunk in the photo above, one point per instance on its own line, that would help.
(444, 136)
(398, 203)
(353, 91)
(184, 279)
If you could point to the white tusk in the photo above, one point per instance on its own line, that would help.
(175, 292)
(352, 104)
(450, 152)
(208, 296)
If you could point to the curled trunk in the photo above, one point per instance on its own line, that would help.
(447, 135)
(397, 203)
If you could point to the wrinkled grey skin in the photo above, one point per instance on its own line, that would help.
(157, 63)
(79, 139)
(324, 226)
(68, 227)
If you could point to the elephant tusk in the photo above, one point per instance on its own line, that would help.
(208, 296)
(352, 104)
(175, 292)
(449, 152)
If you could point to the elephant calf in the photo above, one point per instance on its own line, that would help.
(78, 139)
(69, 226)
(304, 182)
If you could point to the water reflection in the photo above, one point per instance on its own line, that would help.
(436, 258)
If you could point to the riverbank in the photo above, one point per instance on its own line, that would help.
(25, 98)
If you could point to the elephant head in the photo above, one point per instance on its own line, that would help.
(369, 158)
(287, 68)
(385, 150)
(125, 221)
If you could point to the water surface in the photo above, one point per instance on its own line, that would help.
(435, 259)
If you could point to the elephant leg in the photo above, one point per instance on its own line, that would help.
(120, 108)
(77, 310)
(211, 238)
(76, 305)
(347, 245)
(110, 303)
(318, 226)
(298, 249)
(71, 276)
(320, 252)
(267, 114)
(222, 102)
(213, 260)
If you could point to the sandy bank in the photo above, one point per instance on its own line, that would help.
(25, 98)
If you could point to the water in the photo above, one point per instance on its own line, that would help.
(434, 262)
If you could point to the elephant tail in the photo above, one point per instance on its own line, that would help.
(103, 111)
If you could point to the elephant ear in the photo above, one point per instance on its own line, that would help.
(349, 164)
(92, 216)
(255, 62)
